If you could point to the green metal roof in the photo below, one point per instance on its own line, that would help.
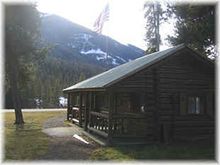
(114, 75)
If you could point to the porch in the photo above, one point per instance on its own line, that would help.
(111, 115)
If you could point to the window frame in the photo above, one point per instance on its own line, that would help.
(184, 103)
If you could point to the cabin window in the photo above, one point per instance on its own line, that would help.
(194, 105)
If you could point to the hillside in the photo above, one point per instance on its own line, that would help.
(72, 40)
(76, 53)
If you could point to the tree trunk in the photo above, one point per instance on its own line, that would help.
(17, 106)
(13, 79)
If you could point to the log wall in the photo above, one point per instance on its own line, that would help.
(164, 85)
(180, 77)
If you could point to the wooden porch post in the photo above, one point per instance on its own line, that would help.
(111, 110)
(71, 106)
(68, 107)
(90, 108)
(80, 109)
(86, 111)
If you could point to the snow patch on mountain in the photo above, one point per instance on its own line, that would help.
(103, 56)
(123, 60)
(100, 57)
(93, 51)
(113, 61)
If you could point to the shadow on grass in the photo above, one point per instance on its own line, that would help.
(183, 151)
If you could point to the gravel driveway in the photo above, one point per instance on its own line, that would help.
(66, 148)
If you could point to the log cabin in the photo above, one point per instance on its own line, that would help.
(161, 97)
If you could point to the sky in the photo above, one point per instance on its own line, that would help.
(126, 20)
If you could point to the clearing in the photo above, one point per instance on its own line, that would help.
(30, 143)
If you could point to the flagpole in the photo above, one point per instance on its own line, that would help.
(106, 48)
(99, 23)
(106, 41)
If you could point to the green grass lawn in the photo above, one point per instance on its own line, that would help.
(155, 152)
(26, 143)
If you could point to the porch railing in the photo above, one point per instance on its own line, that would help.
(98, 123)
(122, 124)
(130, 125)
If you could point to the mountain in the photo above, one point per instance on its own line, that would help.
(72, 41)
(76, 53)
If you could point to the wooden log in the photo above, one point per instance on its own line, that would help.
(130, 116)
(189, 124)
(129, 136)
(193, 131)
(104, 115)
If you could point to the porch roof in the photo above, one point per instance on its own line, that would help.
(114, 75)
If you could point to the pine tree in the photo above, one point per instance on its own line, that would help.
(153, 16)
(21, 33)
(195, 26)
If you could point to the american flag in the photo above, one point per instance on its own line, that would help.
(103, 16)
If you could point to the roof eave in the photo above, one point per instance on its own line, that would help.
(84, 90)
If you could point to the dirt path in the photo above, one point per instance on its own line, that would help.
(66, 148)
(57, 121)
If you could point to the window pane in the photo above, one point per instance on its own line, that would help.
(191, 105)
(197, 105)
(194, 105)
